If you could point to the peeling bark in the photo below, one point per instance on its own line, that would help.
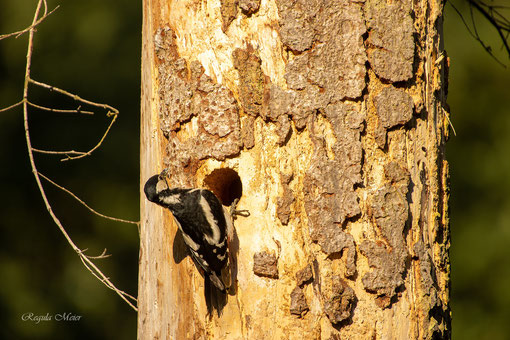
(265, 264)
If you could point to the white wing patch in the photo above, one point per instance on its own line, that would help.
(212, 222)
(200, 261)
(172, 199)
(220, 245)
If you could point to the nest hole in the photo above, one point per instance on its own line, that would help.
(226, 184)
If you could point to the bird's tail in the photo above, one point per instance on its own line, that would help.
(214, 297)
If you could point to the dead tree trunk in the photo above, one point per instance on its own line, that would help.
(327, 118)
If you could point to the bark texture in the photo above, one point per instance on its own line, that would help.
(328, 120)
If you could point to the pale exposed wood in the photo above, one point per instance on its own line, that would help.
(160, 299)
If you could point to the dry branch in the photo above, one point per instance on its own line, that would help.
(77, 98)
(23, 31)
(78, 110)
(86, 260)
(12, 106)
(84, 204)
(493, 14)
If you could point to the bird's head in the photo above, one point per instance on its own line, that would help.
(154, 186)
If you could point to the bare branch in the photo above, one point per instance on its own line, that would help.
(493, 14)
(488, 12)
(72, 154)
(111, 112)
(106, 281)
(78, 110)
(97, 145)
(103, 255)
(84, 204)
(12, 106)
(85, 260)
(75, 97)
(41, 19)
(51, 152)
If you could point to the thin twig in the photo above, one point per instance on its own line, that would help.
(19, 33)
(75, 97)
(85, 260)
(491, 15)
(12, 106)
(78, 110)
(51, 152)
(111, 112)
(97, 145)
(103, 255)
(494, 23)
(72, 154)
(106, 281)
(450, 122)
(85, 204)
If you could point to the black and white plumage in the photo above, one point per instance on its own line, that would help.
(204, 223)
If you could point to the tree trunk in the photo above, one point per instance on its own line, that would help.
(327, 118)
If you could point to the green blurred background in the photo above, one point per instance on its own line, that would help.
(92, 48)
(479, 156)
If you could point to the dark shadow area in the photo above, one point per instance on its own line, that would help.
(179, 248)
(214, 298)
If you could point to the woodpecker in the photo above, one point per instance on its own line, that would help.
(205, 224)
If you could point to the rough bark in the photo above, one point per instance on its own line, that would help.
(328, 119)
